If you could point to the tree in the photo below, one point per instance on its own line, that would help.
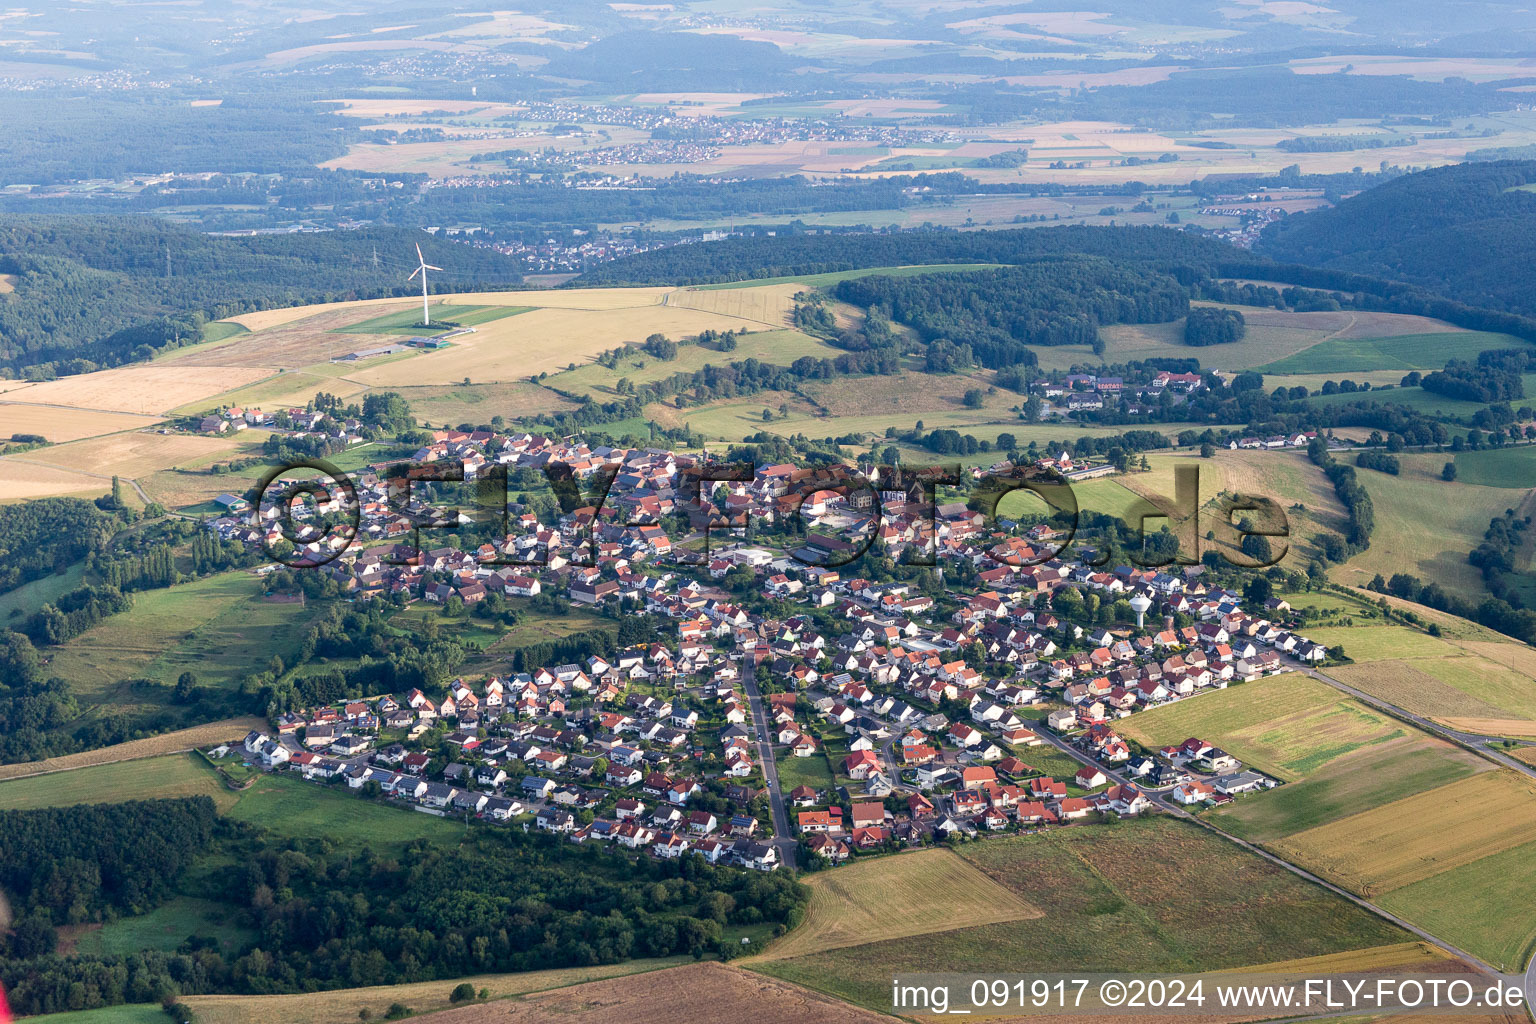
(1258, 590)
(1448, 472)
(186, 684)
(1207, 450)
(973, 398)
(462, 994)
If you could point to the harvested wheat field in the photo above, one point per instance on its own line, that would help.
(1409, 840)
(344, 1006)
(311, 339)
(143, 389)
(133, 454)
(1418, 956)
(20, 480)
(545, 340)
(897, 897)
(707, 993)
(768, 304)
(1408, 686)
(166, 743)
(60, 425)
(554, 298)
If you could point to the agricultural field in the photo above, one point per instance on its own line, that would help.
(1280, 342)
(477, 403)
(1209, 905)
(698, 992)
(218, 627)
(1398, 844)
(544, 341)
(1289, 726)
(144, 389)
(1373, 776)
(1425, 526)
(777, 346)
(19, 480)
(1345, 355)
(1473, 683)
(1508, 468)
(1462, 691)
(343, 1007)
(407, 322)
(1264, 342)
(898, 897)
(136, 1013)
(295, 387)
(140, 453)
(281, 802)
(1287, 478)
(1483, 907)
(1335, 755)
(1377, 643)
(59, 425)
(155, 746)
(564, 298)
(769, 304)
(165, 777)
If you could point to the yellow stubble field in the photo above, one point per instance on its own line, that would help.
(553, 298)
(59, 425)
(138, 453)
(1399, 843)
(141, 389)
(546, 340)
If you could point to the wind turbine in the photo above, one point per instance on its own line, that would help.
(426, 321)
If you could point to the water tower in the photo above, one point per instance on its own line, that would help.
(1139, 604)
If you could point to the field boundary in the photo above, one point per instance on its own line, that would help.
(151, 748)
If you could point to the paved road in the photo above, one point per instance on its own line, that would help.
(1481, 744)
(784, 838)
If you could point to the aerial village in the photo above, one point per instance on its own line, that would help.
(789, 712)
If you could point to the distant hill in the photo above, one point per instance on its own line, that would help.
(103, 288)
(677, 60)
(1466, 231)
(783, 255)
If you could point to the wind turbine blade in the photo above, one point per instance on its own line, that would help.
(419, 257)
(428, 266)
(414, 273)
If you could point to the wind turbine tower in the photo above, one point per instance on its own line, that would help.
(426, 321)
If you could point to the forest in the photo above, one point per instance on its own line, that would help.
(1463, 231)
(787, 254)
(98, 291)
(328, 915)
(1207, 325)
(41, 537)
(53, 137)
(998, 312)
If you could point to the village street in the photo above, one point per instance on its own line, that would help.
(783, 836)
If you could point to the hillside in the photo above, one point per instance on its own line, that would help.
(98, 288)
(765, 256)
(1463, 231)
